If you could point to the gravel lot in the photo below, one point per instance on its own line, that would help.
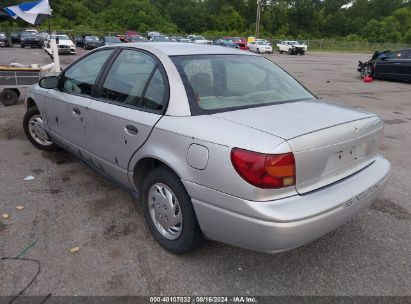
(69, 205)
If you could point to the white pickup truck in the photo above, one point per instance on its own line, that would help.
(291, 47)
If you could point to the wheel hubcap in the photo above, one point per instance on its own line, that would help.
(37, 132)
(165, 211)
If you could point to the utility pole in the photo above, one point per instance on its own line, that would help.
(257, 22)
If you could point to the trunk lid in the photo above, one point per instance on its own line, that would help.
(329, 141)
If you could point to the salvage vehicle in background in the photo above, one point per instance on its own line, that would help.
(31, 39)
(226, 42)
(291, 47)
(260, 47)
(198, 39)
(15, 37)
(214, 141)
(129, 35)
(64, 44)
(160, 38)
(110, 40)
(91, 42)
(241, 42)
(136, 38)
(4, 40)
(388, 65)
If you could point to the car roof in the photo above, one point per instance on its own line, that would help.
(179, 49)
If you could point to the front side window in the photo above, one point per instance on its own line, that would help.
(135, 80)
(225, 82)
(81, 77)
(397, 55)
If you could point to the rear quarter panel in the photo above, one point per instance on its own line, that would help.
(172, 137)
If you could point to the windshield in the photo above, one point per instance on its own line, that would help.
(2, 35)
(225, 82)
(199, 38)
(263, 43)
(29, 34)
(92, 38)
(63, 37)
(292, 42)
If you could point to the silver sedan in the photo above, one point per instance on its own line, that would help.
(215, 142)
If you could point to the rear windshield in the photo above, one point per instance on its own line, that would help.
(217, 83)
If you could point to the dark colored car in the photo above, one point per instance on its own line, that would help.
(31, 38)
(15, 37)
(79, 40)
(4, 40)
(110, 40)
(226, 42)
(91, 42)
(136, 38)
(388, 65)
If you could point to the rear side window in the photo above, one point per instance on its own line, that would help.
(135, 80)
(81, 77)
(216, 83)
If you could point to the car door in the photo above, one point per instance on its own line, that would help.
(389, 65)
(130, 100)
(66, 108)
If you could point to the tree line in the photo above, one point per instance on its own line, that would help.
(355, 20)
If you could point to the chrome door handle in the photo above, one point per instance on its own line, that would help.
(132, 130)
(76, 112)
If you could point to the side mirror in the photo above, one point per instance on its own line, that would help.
(50, 82)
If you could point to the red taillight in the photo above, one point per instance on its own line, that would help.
(267, 171)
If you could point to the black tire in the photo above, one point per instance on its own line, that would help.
(191, 236)
(290, 52)
(29, 114)
(22, 46)
(9, 97)
(281, 52)
(258, 50)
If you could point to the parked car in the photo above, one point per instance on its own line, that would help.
(150, 35)
(176, 38)
(64, 44)
(160, 38)
(15, 37)
(227, 43)
(91, 42)
(137, 38)
(260, 47)
(129, 34)
(198, 39)
(241, 42)
(31, 39)
(225, 145)
(292, 47)
(4, 40)
(79, 40)
(110, 40)
(388, 65)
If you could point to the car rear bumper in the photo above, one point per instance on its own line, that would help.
(283, 224)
